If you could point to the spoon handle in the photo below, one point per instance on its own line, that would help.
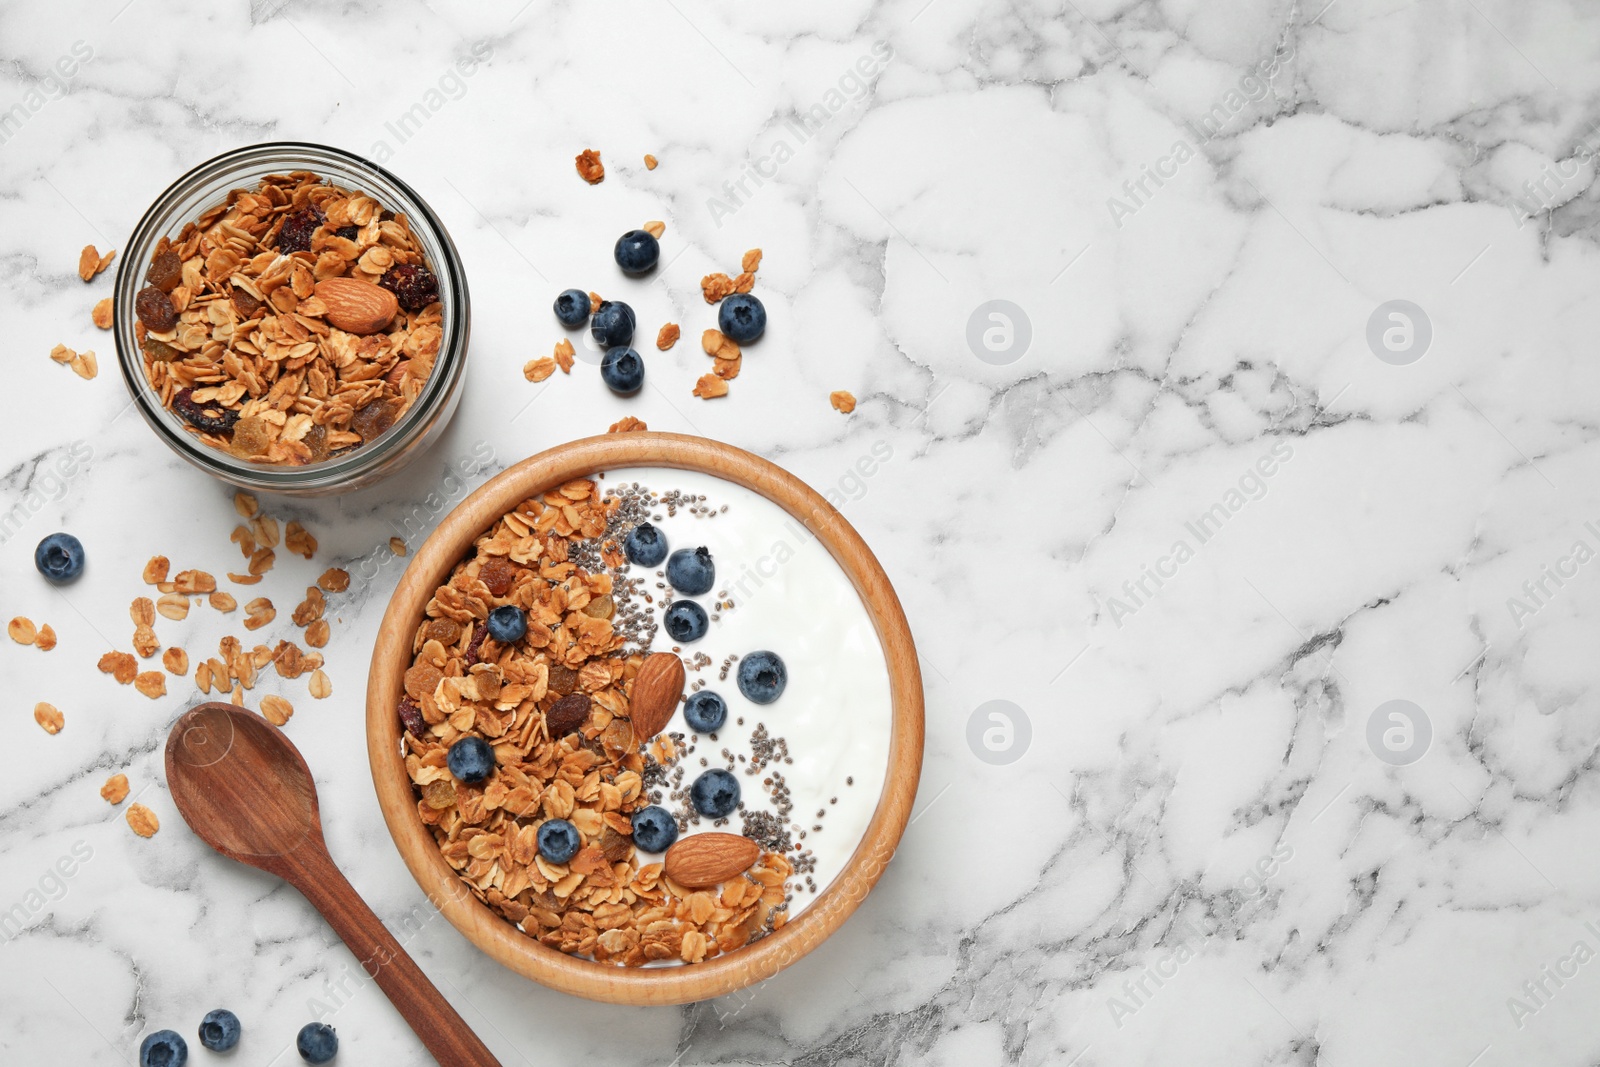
(446, 1035)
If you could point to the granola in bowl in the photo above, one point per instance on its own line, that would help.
(293, 322)
(564, 766)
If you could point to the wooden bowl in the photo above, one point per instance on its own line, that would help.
(494, 934)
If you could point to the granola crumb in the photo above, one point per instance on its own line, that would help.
(715, 286)
(650, 162)
(152, 684)
(46, 640)
(115, 791)
(563, 355)
(537, 370)
(334, 580)
(48, 717)
(142, 821)
(63, 355)
(102, 314)
(155, 572)
(628, 424)
(319, 686)
(751, 261)
(590, 169)
(710, 386)
(668, 336)
(91, 262)
(276, 710)
(22, 630)
(842, 400)
(397, 546)
(175, 660)
(594, 302)
(655, 228)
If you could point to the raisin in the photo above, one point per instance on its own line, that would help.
(316, 439)
(441, 794)
(166, 271)
(155, 310)
(476, 643)
(563, 679)
(411, 718)
(601, 607)
(295, 233)
(372, 420)
(488, 684)
(251, 436)
(445, 631)
(210, 416)
(422, 679)
(347, 232)
(245, 304)
(160, 351)
(412, 284)
(567, 714)
(498, 574)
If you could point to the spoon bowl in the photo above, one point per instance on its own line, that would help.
(246, 791)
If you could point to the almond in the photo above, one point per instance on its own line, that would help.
(656, 690)
(710, 859)
(357, 307)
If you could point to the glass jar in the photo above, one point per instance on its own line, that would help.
(208, 185)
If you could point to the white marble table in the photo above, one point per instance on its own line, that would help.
(1198, 528)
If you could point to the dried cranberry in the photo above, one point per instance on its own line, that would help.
(412, 284)
(476, 643)
(295, 233)
(347, 232)
(166, 271)
(210, 417)
(411, 718)
(155, 310)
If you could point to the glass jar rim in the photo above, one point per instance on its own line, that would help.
(237, 168)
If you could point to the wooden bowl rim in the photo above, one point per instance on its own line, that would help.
(488, 930)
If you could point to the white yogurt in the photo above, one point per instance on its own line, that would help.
(790, 597)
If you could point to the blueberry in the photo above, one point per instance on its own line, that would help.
(705, 711)
(762, 677)
(317, 1043)
(742, 317)
(558, 840)
(691, 572)
(654, 830)
(645, 545)
(715, 793)
(471, 760)
(219, 1030)
(59, 557)
(637, 251)
(685, 621)
(622, 370)
(164, 1048)
(507, 624)
(572, 307)
(612, 324)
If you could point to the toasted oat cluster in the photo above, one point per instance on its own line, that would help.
(550, 557)
(246, 341)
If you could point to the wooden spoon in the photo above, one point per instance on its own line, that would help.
(245, 790)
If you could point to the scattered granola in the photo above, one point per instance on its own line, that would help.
(334, 580)
(142, 821)
(319, 686)
(842, 400)
(590, 168)
(628, 424)
(668, 336)
(276, 710)
(22, 630)
(650, 162)
(102, 314)
(155, 572)
(115, 791)
(537, 370)
(223, 601)
(85, 365)
(397, 546)
(46, 640)
(48, 717)
(152, 684)
(120, 665)
(242, 335)
(715, 286)
(654, 228)
(751, 262)
(710, 386)
(91, 262)
(175, 660)
(258, 613)
(564, 355)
